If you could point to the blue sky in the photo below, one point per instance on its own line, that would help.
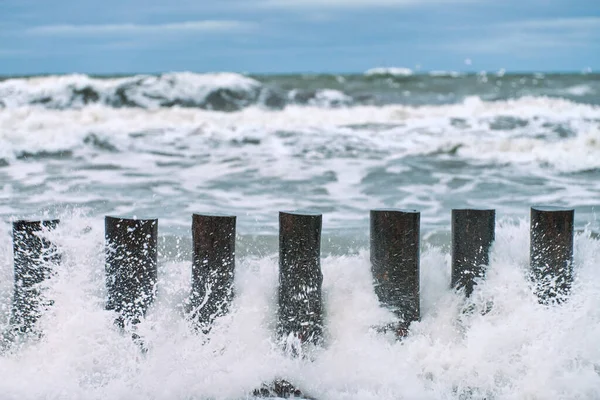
(270, 36)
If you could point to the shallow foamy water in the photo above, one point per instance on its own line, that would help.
(172, 162)
(179, 143)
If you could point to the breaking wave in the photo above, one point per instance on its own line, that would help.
(229, 92)
(389, 71)
(217, 91)
(531, 130)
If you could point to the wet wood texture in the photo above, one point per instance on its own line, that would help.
(300, 276)
(34, 257)
(551, 252)
(131, 266)
(473, 233)
(395, 261)
(213, 267)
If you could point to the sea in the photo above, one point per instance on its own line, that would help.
(79, 147)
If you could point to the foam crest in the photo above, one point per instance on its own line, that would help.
(445, 74)
(559, 154)
(220, 91)
(344, 160)
(519, 131)
(389, 71)
(579, 90)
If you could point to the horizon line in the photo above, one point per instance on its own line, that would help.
(501, 72)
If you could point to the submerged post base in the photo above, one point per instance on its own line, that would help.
(280, 388)
(398, 328)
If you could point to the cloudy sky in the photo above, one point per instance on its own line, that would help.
(269, 36)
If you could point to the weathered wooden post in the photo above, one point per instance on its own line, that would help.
(551, 252)
(131, 266)
(300, 277)
(33, 257)
(395, 262)
(473, 232)
(213, 267)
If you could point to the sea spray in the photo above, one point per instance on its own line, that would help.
(516, 348)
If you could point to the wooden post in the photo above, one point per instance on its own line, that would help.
(551, 252)
(300, 277)
(395, 262)
(131, 266)
(213, 267)
(473, 232)
(32, 256)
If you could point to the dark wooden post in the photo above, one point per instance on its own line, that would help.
(551, 252)
(213, 267)
(33, 256)
(131, 266)
(395, 262)
(473, 232)
(300, 277)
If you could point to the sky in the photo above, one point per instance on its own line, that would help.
(297, 36)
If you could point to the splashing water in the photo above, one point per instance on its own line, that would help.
(499, 344)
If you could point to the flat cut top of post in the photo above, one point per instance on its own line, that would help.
(402, 210)
(551, 208)
(35, 221)
(303, 213)
(23, 225)
(213, 215)
(473, 209)
(134, 218)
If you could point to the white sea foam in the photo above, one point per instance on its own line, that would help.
(452, 74)
(518, 349)
(75, 91)
(326, 98)
(560, 154)
(394, 71)
(330, 98)
(413, 130)
(344, 160)
(579, 90)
